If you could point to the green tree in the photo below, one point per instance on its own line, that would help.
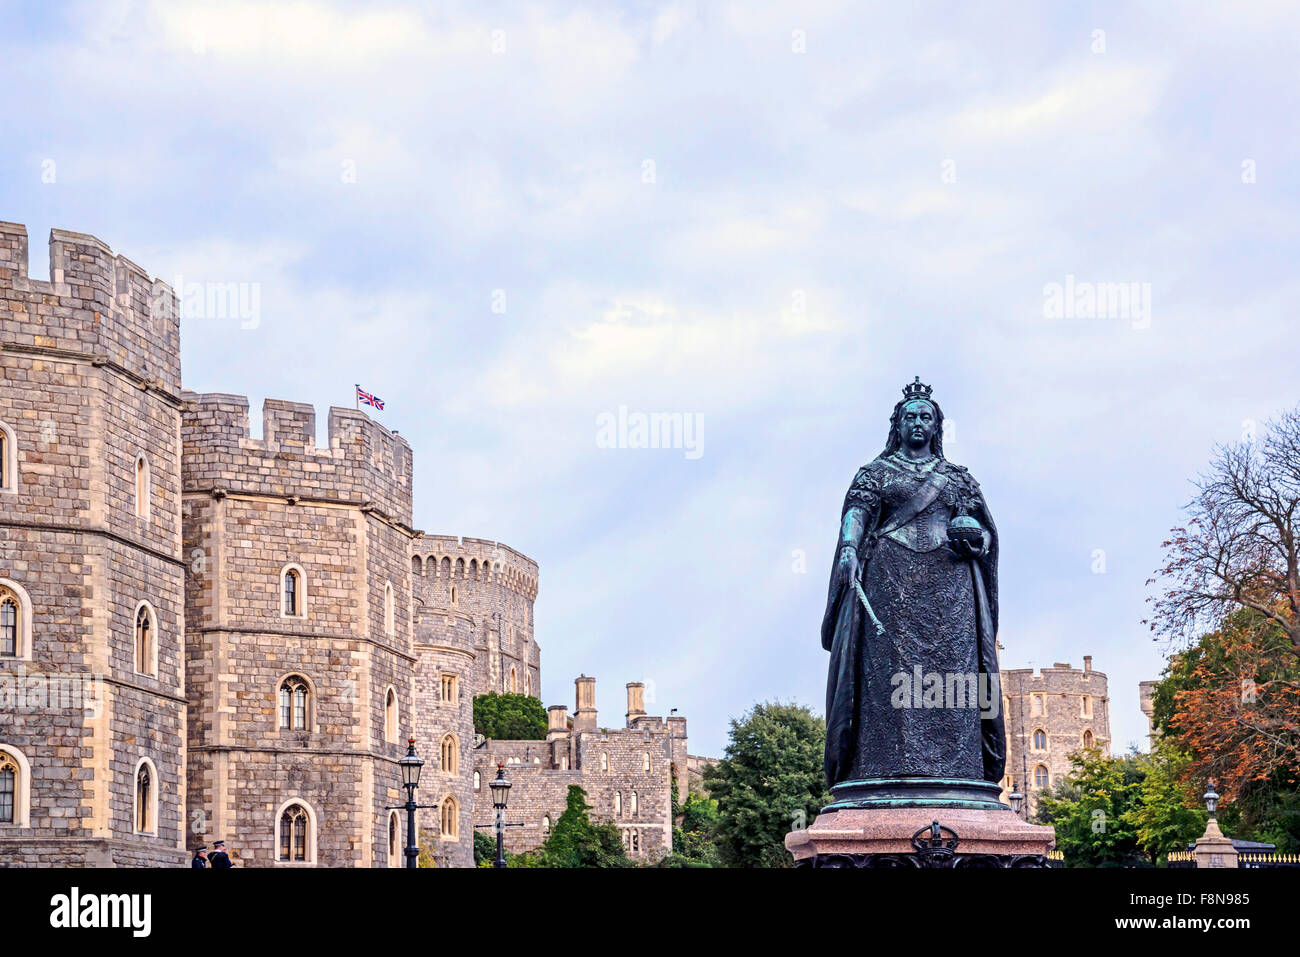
(695, 837)
(485, 849)
(577, 841)
(509, 717)
(770, 782)
(1089, 810)
(1166, 817)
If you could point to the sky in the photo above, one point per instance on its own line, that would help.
(510, 221)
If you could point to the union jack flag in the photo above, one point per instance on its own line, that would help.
(368, 399)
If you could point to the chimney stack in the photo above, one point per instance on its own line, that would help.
(1087, 662)
(584, 714)
(635, 701)
(557, 720)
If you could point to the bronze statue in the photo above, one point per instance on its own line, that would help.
(913, 705)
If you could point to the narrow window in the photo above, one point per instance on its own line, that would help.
(477, 780)
(390, 716)
(632, 804)
(604, 761)
(449, 755)
(145, 641)
(1040, 776)
(292, 603)
(450, 689)
(1040, 740)
(394, 840)
(5, 452)
(546, 824)
(618, 803)
(143, 801)
(645, 761)
(514, 681)
(1087, 706)
(141, 487)
(1087, 739)
(389, 617)
(8, 626)
(8, 788)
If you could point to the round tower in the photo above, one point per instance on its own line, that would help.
(473, 617)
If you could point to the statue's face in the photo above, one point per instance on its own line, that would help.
(916, 424)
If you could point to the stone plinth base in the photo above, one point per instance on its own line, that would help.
(907, 837)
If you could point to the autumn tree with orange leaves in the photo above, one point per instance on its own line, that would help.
(1231, 600)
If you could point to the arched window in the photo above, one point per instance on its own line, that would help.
(1040, 740)
(146, 640)
(390, 716)
(477, 780)
(15, 620)
(449, 754)
(15, 787)
(8, 625)
(604, 761)
(645, 761)
(632, 804)
(514, 681)
(390, 626)
(546, 824)
(1040, 776)
(293, 592)
(394, 840)
(618, 803)
(528, 683)
(297, 842)
(453, 594)
(142, 487)
(1087, 739)
(8, 460)
(450, 819)
(295, 704)
(146, 797)
(417, 566)
(636, 842)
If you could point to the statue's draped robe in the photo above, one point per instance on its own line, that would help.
(940, 615)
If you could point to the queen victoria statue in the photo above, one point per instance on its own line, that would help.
(913, 704)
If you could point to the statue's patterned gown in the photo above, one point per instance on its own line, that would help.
(929, 602)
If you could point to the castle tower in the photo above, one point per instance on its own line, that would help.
(298, 632)
(1050, 715)
(92, 576)
(473, 630)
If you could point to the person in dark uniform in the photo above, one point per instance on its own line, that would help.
(200, 856)
(219, 859)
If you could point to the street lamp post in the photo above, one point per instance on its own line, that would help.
(410, 765)
(500, 798)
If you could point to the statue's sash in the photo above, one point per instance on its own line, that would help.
(915, 505)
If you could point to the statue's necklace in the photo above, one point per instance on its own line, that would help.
(915, 465)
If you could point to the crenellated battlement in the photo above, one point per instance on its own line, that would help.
(95, 303)
(435, 557)
(364, 463)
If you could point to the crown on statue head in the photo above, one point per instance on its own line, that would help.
(916, 389)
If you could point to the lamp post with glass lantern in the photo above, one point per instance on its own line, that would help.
(410, 765)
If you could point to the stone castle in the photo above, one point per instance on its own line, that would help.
(209, 636)
(1050, 714)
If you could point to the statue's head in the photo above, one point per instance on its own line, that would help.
(917, 421)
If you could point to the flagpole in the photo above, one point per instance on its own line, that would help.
(356, 396)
